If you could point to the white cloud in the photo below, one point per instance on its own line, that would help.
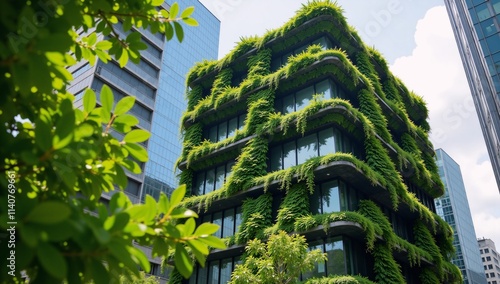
(434, 70)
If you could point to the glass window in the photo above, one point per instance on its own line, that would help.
(276, 63)
(210, 181)
(241, 120)
(473, 15)
(219, 176)
(306, 148)
(336, 256)
(493, 43)
(200, 182)
(324, 42)
(202, 274)
(228, 229)
(488, 27)
(232, 126)
(226, 269)
(222, 131)
(325, 88)
(483, 12)
(288, 104)
(319, 269)
(213, 272)
(238, 219)
(289, 159)
(496, 6)
(275, 161)
(218, 220)
(303, 97)
(326, 142)
(331, 197)
(315, 201)
(479, 31)
(212, 134)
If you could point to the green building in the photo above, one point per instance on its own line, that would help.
(305, 130)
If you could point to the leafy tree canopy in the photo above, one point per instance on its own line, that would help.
(58, 160)
(281, 260)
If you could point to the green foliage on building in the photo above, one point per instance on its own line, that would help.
(378, 112)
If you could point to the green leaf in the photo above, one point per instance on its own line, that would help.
(138, 152)
(49, 212)
(120, 177)
(91, 39)
(131, 166)
(100, 274)
(179, 32)
(206, 229)
(89, 100)
(104, 45)
(177, 195)
(179, 213)
(52, 260)
(64, 130)
(174, 10)
(43, 127)
(123, 58)
(140, 257)
(157, 2)
(121, 253)
(200, 250)
(133, 37)
(160, 247)
(190, 22)
(107, 100)
(183, 261)
(124, 105)
(187, 12)
(169, 31)
(136, 136)
(189, 227)
(213, 242)
(163, 203)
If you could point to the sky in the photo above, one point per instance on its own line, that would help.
(417, 40)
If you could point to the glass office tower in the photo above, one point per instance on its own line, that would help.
(158, 83)
(453, 207)
(476, 24)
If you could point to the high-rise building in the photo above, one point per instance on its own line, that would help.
(306, 130)
(476, 24)
(158, 84)
(490, 258)
(453, 207)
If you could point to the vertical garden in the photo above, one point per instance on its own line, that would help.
(306, 130)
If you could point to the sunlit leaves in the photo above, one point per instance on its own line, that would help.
(67, 159)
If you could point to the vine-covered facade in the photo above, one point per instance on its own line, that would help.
(305, 130)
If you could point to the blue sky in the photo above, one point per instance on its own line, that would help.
(416, 39)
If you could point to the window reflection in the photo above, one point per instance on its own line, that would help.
(317, 144)
(224, 129)
(300, 99)
(211, 179)
(338, 258)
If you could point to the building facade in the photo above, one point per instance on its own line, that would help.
(490, 258)
(305, 130)
(476, 24)
(158, 84)
(453, 207)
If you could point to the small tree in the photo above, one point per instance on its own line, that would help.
(281, 260)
